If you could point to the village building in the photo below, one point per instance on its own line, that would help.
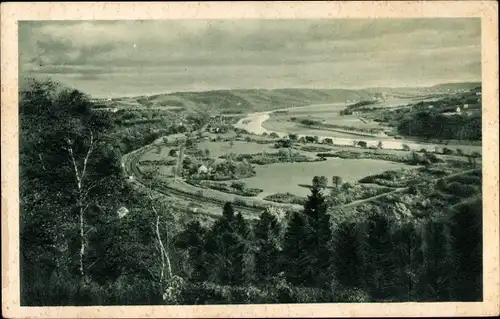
(202, 169)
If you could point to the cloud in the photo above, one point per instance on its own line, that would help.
(251, 52)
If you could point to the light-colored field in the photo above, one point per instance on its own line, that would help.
(152, 155)
(220, 148)
(287, 177)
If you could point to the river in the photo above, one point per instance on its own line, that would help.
(253, 124)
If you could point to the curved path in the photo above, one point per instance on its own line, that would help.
(131, 161)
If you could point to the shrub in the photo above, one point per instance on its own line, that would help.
(362, 144)
(239, 202)
(405, 147)
(286, 198)
(238, 185)
(447, 151)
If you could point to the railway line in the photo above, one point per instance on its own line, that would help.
(131, 161)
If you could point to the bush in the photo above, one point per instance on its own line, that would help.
(447, 151)
(238, 185)
(362, 144)
(286, 198)
(239, 202)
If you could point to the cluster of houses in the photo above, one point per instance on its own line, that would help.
(464, 109)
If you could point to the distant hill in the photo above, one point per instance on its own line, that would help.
(462, 85)
(254, 100)
(243, 101)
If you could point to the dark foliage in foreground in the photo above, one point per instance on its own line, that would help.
(78, 249)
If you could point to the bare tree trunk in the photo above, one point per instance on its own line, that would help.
(163, 252)
(169, 264)
(81, 194)
(82, 243)
(160, 244)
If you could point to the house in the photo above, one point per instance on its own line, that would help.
(202, 169)
(466, 106)
(458, 110)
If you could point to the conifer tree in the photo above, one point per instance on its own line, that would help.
(294, 251)
(466, 246)
(317, 238)
(378, 253)
(348, 261)
(192, 239)
(434, 281)
(408, 259)
(267, 250)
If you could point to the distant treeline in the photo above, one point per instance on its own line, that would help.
(428, 124)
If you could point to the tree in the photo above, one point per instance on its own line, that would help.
(319, 182)
(317, 234)
(466, 245)
(434, 280)
(228, 251)
(337, 181)
(408, 260)
(348, 263)
(192, 239)
(172, 152)
(362, 144)
(380, 145)
(294, 256)
(66, 143)
(379, 268)
(267, 232)
(207, 152)
(328, 141)
(71, 186)
(309, 139)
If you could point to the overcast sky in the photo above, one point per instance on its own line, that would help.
(118, 58)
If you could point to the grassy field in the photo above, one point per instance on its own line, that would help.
(288, 177)
(239, 147)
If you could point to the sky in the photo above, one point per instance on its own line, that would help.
(127, 58)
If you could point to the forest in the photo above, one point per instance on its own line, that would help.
(88, 238)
